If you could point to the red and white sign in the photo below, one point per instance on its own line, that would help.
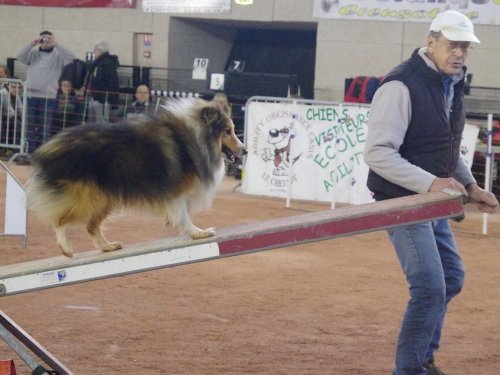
(73, 3)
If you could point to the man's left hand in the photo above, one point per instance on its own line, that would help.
(484, 200)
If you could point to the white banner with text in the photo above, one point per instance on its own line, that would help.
(316, 151)
(186, 6)
(479, 11)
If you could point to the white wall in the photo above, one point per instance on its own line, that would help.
(203, 41)
(344, 48)
(349, 48)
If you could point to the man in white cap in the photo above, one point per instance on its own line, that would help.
(413, 146)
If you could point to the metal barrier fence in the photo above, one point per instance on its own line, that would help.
(13, 106)
(26, 123)
(237, 85)
(129, 76)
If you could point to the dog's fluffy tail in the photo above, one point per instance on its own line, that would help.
(67, 203)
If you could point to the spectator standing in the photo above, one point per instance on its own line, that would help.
(45, 59)
(413, 146)
(101, 83)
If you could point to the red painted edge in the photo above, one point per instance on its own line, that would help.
(338, 227)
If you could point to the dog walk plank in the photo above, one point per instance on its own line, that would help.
(264, 235)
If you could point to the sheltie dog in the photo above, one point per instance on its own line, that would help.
(170, 164)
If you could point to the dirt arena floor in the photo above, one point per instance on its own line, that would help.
(331, 307)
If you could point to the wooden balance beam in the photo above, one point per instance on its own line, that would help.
(264, 235)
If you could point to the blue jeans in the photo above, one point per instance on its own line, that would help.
(40, 112)
(434, 270)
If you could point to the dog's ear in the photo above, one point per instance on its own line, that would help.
(210, 114)
(214, 118)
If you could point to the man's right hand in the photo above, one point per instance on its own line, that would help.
(448, 183)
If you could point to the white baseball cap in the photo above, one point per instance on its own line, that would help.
(455, 26)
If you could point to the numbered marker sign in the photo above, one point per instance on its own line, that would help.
(236, 66)
(200, 67)
(217, 81)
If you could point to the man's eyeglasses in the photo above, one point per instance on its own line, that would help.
(454, 46)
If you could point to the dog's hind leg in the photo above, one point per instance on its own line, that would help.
(94, 228)
(179, 217)
(62, 241)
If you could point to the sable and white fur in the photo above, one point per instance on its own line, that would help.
(171, 165)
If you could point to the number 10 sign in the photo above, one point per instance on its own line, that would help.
(200, 66)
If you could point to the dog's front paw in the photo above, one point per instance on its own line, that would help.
(67, 252)
(205, 233)
(112, 246)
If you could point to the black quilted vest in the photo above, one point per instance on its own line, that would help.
(432, 142)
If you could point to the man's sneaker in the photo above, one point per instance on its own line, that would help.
(432, 369)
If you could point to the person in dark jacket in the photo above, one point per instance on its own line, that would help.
(101, 83)
(413, 146)
(141, 107)
(69, 108)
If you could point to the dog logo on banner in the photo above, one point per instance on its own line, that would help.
(281, 148)
(283, 139)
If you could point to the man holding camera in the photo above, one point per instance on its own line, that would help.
(45, 59)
